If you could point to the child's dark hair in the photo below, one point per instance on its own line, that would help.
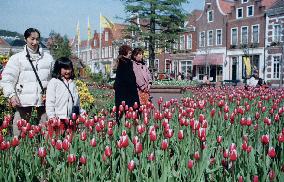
(29, 31)
(62, 62)
(135, 52)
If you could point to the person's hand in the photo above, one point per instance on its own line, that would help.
(14, 101)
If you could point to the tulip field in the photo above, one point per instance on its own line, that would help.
(211, 134)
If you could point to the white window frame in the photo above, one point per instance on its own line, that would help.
(200, 39)
(217, 36)
(182, 43)
(232, 35)
(208, 38)
(273, 62)
(211, 11)
(248, 11)
(189, 43)
(245, 1)
(256, 25)
(237, 13)
(157, 61)
(274, 34)
(170, 68)
(242, 34)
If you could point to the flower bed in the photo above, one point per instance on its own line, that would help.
(213, 134)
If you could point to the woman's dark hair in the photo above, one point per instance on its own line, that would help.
(124, 49)
(29, 31)
(65, 63)
(135, 52)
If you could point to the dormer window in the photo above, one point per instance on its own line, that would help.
(250, 11)
(210, 16)
(239, 13)
(106, 36)
(244, 1)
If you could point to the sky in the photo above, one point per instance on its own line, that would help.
(62, 15)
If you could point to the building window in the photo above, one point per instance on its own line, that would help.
(110, 51)
(218, 37)
(276, 37)
(201, 72)
(210, 16)
(202, 39)
(255, 34)
(210, 38)
(106, 36)
(168, 66)
(244, 35)
(239, 13)
(95, 43)
(186, 68)
(189, 41)
(276, 67)
(234, 36)
(250, 11)
(181, 43)
(244, 1)
(156, 64)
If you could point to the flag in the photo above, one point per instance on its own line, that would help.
(246, 61)
(78, 33)
(106, 23)
(89, 31)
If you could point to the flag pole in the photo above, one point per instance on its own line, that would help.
(100, 38)
(78, 37)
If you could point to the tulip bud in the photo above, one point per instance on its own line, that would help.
(66, 144)
(196, 155)
(71, 158)
(93, 142)
(190, 164)
(83, 136)
(219, 139)
(151, 157)
(138, 148)
(233, 155)
(108, 151)
(265, 139)
(131, 165)
(83, 160)
(164, 144)
(42, 152)
(271, 152)
(180, 134)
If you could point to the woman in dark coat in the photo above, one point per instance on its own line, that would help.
(125, 81)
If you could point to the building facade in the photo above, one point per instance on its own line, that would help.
(274, 43)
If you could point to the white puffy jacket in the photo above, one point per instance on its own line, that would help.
(58, 99)
(18, 78)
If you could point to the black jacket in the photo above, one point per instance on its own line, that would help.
(125, 83)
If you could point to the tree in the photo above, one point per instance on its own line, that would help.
(58, 45)
(158, 23)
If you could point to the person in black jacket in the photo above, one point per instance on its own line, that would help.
(125, 81)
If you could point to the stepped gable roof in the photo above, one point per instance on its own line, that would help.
(4, 44)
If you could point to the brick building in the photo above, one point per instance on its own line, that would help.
(274, 43)
(245, 38)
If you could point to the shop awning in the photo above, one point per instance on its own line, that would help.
(212, 59)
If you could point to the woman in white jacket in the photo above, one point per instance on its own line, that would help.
(61, 93)
(20, 83)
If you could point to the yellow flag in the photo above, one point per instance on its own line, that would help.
(106, 23)
(89, 30)
(246, 61)
(78, 33)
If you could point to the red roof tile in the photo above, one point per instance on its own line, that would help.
(4, 44)
(226, 5)
(268, 3)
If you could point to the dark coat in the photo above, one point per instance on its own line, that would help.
(125, 83)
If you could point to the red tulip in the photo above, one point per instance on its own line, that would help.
(265, 139)
(15, 141)
(219, 139)
(255, 179)
(196, 155)
(243, 121)
(83, 160)
(42, 152)
(74, 116)
(280, 137)
(110, 132)
(226, 153)
(151, 157)
(83, 136)
(153, 135)
(271, 152)
(244, 146)
(140, 129)
(164, 144)
(93, 142)
(240, 179)
(66, 144)
(272, 175)
(249, 122)
(123, 141)
(212, 113)
(71, 158)
(190, 164)
(108, 151)
(58, 145)
(1, 138)
(138, 148)
(226, 108)
(180, 134)
(249, 148)
(257, 115)
(131, 165)
(233, 155)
